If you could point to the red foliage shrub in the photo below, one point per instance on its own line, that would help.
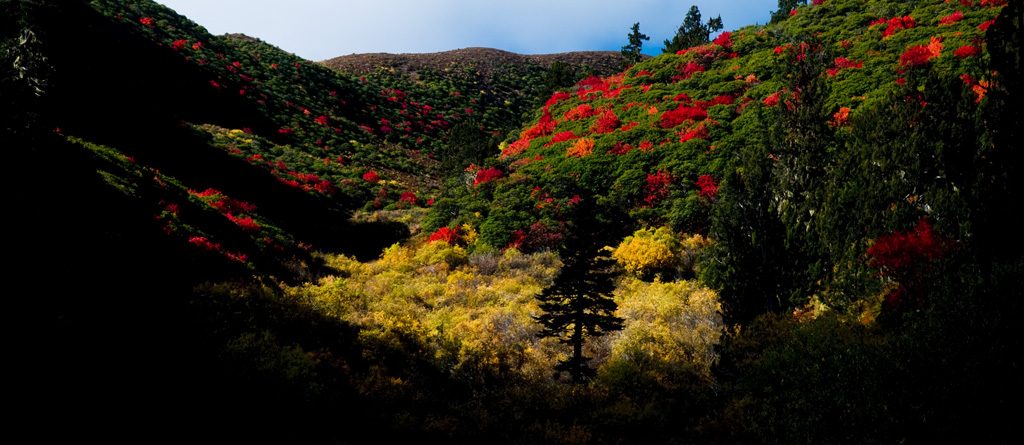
(408, 198)
(580, 112)
(952, 18)
(561, 137)
(843, 63)
(516, 147)
(898, 23)
(724, 99)
(915, 56)
(607, 123)
(723, 40)
(325, 187)
(620, 148)
(701, 132)
(691, 68)
(556, 97)
(544, 127)
(657, 187)
(708, 187)
(670, 119)
(905, 256)
(967, 51)
(247, 224)
(371, 176)
(487, 174)
(450, 236)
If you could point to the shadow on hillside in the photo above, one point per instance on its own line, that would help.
(135, 96)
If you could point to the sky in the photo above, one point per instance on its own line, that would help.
(322, 29)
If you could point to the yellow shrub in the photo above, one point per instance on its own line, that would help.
(649, 252)
(678, 323)
(434, 253)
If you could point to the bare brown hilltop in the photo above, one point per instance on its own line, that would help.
(486, 60)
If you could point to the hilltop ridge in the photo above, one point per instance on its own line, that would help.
(486, 60)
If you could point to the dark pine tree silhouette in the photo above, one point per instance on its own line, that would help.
(578, 306)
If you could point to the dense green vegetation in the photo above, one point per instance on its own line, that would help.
(790, 233)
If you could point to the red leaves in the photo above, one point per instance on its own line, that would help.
(967, 51)
(772, 100)
(690, 69)
(657, 187)
(561, 137)
(607, 123)
(544, 127)
(708, 187)
(580, 112)
(918, 55)
(670, 119)
(701, 132)
(516, 147)
(842, 63)
(895, 24)
(952, 18)
(148, 21)
(408, 198)
(450, 236)
(487, 175)
(620, 148)
(723, 40)
(905, 256)
(371, 176)
(556, 97)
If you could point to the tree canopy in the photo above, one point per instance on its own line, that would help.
(692, 32)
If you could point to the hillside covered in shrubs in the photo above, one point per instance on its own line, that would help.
(797, 232)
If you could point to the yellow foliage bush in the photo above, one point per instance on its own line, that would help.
(649, 252)
(677, 323)
(472, 321)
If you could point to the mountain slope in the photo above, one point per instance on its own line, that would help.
(802, 104)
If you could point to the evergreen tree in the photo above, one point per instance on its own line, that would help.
(785, 6)
(578, 306)
(631, 53)
(692, 32)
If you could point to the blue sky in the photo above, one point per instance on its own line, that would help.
(322, 29)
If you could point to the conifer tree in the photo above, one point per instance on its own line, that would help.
(692, 32)
(578, 306)
(631, 53)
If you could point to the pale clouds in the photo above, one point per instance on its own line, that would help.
(321, 29)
